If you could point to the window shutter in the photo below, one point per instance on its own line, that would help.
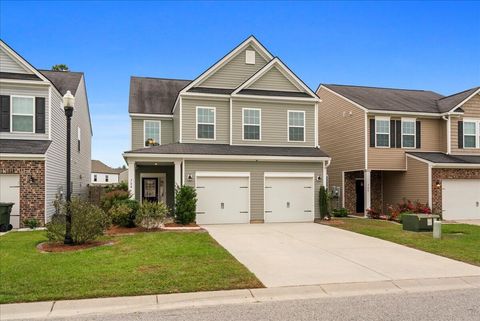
(392, 133)
(460, 134)
(398, 132)
(40, 115)
(4, 113)
(372, 132)
(418, 134)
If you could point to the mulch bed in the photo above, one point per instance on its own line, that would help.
(180, 225)
(60, 247)
(119, 230)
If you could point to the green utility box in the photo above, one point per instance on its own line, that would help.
(419, 222)
(5, 209)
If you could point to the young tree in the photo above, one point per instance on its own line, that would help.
(60, 67)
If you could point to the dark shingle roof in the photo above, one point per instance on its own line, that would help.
(223, 149)
(13, 75)
(207, 90)
(390, 99)
(447, 103)
(154, 95)
(262, 92)
(64, 80)
(100, 167)
(23, 146)
(442, 158)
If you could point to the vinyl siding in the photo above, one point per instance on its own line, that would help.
(274, 80)
(8, 64)
(412, 184)
(472, 110)
(394, 158)
(189, 107)
(26, 90)
(234, 72)
(176, 121)
(257, 170)
(274, 124)
(341, 134)
(166, 131)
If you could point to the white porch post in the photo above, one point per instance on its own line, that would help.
(367, 189)
(324, 174)
(178, 172)
(131, 178)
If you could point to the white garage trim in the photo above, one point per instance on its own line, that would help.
(289, 174)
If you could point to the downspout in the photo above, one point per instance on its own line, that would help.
(449, 134)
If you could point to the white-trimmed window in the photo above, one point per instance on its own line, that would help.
(206, 123)
(382, 132)
(23, 114)
(296, 126)
(252, 120)
(151, 131)
(471, 133)
(106, 178)
(408, 132)
(94, 177)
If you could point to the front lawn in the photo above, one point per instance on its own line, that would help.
(459, 241)
(145, 263)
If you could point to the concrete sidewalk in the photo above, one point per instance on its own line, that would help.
(65, 309)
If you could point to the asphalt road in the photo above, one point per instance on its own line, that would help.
(455, 305)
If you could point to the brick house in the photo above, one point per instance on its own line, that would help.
(33, 137)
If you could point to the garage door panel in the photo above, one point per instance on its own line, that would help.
(461, 199)
(10, 193)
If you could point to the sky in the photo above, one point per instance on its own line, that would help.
(417, 45)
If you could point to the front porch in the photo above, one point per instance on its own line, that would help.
(363, 190)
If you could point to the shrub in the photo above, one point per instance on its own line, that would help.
(122, 186)
(185, 204)
(373, 213)
(393, 213)
(112, 197)
(123, 212)
(340, 212)
(31, 223)
(323, 201)
(151, 214)
(88, 222)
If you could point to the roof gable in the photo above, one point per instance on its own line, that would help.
(273, 79)
(454, 101)
(11, 62)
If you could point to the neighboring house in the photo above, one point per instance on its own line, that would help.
(123, 176)
(33, 136)
(389, 144)
(244, 133)
(103, 174)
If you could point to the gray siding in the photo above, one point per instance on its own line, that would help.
(189, 120)
(273, 80)
(176, 121)
(27, 90)
(274, 127)
(7, 64)
(234, 72)
(257, 170)
(166, 131)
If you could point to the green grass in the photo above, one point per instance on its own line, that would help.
(145, 263)
(459, 241)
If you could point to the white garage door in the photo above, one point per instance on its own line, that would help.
(461, 199)
(10, 193)
(223, 197)
(289, 197)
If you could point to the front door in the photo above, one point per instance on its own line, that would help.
(150, 189)
(359, 192)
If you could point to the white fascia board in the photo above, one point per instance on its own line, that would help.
(204, 95)
(150, 157)
(25, 82)
(419, 159)
(276, 98)
(289, 174)
(140, 115)
(222, 174)
(455, 165)
(408, 113)
(465, 100)
(10, 156)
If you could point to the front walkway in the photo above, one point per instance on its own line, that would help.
(289, 254)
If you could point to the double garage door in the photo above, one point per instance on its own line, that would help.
(461, 199)
(225, 198)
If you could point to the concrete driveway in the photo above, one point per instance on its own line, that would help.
(286, 254)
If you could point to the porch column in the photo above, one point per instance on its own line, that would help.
(324, 174)
(178, 172)
(131, 178)
(367, 189)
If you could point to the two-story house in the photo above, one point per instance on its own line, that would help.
(243, 133)
(389, 144)
(33, 136)
(103, 174)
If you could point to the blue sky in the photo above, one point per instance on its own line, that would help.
(422, 45)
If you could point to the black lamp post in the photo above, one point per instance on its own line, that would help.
(68, 103)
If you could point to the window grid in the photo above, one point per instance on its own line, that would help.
(471, 134)
(251, 124)
(206, 123)
(408, 133)
(23, 114)
(382, 132)
(152, 133)
(296, 126)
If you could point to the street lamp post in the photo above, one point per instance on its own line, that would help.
(68, 103)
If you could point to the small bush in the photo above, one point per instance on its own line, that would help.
(151, 215)
(122, 186)
(373, 213)
(31, 223)
(88, 222)
(123, 213)
(323, 201)
(185, 204)
(112, 197)
(340, 212)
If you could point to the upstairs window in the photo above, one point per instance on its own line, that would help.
(206, 123)
(151, 132)
(106, 178)
(471, 134)
(296, 126)
(251, 123)
(382, 132)
(94, 177)
(408, 133)
(23, 111)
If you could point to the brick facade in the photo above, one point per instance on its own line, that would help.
(376, 186)
(375, 192)
(448, 173)
(32, 187)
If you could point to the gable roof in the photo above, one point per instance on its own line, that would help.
(448, 103)
(442, 158)
(64, 80)
(154, 95)
(100, 167)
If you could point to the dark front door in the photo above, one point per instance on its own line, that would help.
(150, 189)
(359, 196)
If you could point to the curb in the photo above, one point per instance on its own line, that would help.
(115, 305)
